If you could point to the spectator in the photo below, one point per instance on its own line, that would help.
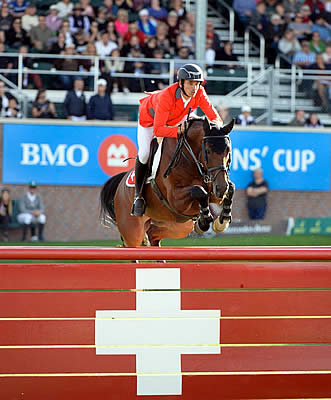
(280, 10)
(289, 44)
(259, 19)
(65, 29)
(41, 34)
(244, 9)
(273, 33)
(327, 54)
(133, 30)
(223, 111)
(67, 64)
(210, 53)
(59, 46)
(302, 30)
(78, 21)
(178, 7)
(211, 34)
(257, 192)
(186, 38)
(6, 20)
(4, 99)
(148, 49)
(181, 58)
(304, 58)
(110, 9)
(292, 7)
(6, 210)
(162, 41)
(31, 213)
(94, 31)
(80, 41)
(65, 8)
(245, 118)
(13, 110)
(316, 7)
(75, 102)
(122, 22)
(306, 14)
(271, 7)
(117, 66)
(53, 21)
(317, 45)
(43, 108)
(28, 63)
(16, 36)
(146, 24)
(113, 35)
(126, 4)
(157, 68)
(135, 68)
(299, 119)
(313, 121)
(322, 85)
(226, 54)
(105, 46)
(156, 11)
(101, 19)
(100, 105)
(88, 64)
(18, 8)
(30, 19)
(88, 10)
(320, 25)
(173, 28)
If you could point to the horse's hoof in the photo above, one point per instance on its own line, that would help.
(200, 228)
(219, 226)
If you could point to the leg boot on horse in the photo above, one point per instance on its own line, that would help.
(139, 204)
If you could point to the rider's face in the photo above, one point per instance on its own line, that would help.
(191, 87)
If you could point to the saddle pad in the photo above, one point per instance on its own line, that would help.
(155, 166)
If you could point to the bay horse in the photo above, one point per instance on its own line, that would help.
(191, 189)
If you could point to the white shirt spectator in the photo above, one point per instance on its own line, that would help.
(29, 21)
(105, 49)
(210, 57)
(64, 9)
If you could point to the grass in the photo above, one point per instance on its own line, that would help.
(268, 240)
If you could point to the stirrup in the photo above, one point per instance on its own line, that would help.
(138, 207)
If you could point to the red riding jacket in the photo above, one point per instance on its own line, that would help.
(166, 107)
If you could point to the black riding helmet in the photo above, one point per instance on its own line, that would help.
(189, 72)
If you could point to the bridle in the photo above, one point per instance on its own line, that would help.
(206, 173)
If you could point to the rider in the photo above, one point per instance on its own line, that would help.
(161, 114)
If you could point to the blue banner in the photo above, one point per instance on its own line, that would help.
(88, 155)
(290, 160)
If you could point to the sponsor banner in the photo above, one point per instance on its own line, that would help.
(66, 154)
(290, 160)
(88, 155)
(257, 228)
(312, 226)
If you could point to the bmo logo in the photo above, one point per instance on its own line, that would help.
(114, 154)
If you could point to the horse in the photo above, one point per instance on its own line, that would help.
(190, 191)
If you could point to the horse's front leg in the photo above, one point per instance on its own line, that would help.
(205, 218)
(223, 221)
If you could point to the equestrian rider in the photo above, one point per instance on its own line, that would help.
(161, 114)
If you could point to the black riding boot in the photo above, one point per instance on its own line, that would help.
(40, 232)
(139, 204)
(25, 229)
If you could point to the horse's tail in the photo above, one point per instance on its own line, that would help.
(107, 212)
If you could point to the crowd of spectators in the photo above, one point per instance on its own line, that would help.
(299, 31)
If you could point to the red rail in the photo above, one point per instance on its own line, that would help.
(165, 253)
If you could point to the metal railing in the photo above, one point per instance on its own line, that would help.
(231, 17)
(250, 31)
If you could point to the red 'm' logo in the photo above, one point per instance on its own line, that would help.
(113, 154)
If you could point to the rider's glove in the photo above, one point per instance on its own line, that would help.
(182, 128)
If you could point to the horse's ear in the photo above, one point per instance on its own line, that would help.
(206, 125)
(227, 128)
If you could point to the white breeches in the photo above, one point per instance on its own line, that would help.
(27, 218)
(145, 136)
